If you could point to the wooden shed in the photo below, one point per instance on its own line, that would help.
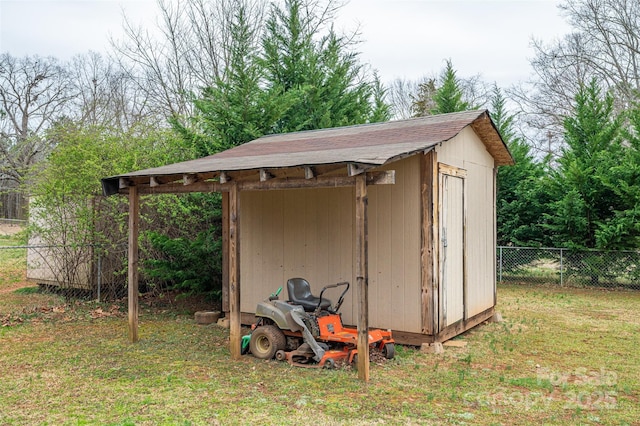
(428, 231)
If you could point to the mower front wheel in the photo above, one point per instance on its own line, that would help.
(389, 350)
(266, 340)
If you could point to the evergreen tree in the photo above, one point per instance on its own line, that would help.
(448, 97)
(381, 110)
(444, 95)
(623, 229)
(586, 202)
(521, 199)
(321, 81)
(235, 109)
(281, 81)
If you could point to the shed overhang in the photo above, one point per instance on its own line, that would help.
(343, 151)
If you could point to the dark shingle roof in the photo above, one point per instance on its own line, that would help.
(368, 145)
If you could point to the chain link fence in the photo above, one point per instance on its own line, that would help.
(577, 268)
(92, 272)
(82, 272)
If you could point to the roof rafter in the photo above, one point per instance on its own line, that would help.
(373, 178)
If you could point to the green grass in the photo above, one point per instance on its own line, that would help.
(12, 261)
(562, 356)
(27, 290)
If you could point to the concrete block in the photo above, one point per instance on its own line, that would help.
(207, 317)
(497, 317)
(432, 348)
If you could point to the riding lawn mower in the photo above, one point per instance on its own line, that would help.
(307, 331)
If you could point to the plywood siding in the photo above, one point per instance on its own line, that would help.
(310, 233)
(66, 267)
(466, 151)
(394, 250)
(294, 233)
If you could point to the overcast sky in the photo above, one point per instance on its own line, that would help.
(401, 38)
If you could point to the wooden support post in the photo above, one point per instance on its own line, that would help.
(362, 277)
(495, 236)
(426, 242)
(435, 235)
(134, 220)
(235, 339)
(225, 251)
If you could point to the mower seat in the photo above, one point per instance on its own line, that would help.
(300, 294)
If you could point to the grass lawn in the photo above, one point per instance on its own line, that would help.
(562, 356)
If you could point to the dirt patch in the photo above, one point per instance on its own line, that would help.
(10, 229)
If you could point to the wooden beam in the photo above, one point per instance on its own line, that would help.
(234, 273)
(495, 232)
(181, 188)
(225, 252)
(446, 169)
(373, 178)
(265, 175)
(309, 173)
(362, 277)
(426, 241)
(132, 287)
(435, 204)
(463, 325)
(381, 178)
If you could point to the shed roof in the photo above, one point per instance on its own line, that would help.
(366, 145)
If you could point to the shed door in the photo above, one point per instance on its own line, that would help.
(451, 245)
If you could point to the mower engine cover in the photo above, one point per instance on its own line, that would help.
(276, 310)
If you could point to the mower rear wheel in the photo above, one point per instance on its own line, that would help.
(389, 350)
(266, 340)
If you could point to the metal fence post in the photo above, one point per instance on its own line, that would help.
(500, 280)
(99, 274)
(561, 268)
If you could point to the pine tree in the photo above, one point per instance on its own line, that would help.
(440, 97)
(290, 80)
(520, 197)
(585, 200)
(322, 79)
(448, 97)
(623, 229)
(236, 109)
(282, 78)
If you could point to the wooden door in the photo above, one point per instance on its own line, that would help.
(451, 262)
